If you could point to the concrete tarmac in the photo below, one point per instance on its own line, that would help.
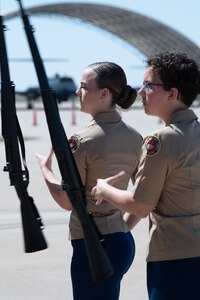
(45, 275)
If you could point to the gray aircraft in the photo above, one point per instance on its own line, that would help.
(63, 86)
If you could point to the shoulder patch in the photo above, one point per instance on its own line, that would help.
(74, 143)
(152, 145)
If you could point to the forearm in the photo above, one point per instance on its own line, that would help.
(56, 190)
(131, 220)
(123, 200)
(115, 196)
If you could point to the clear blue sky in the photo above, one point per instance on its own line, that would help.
(83, 44)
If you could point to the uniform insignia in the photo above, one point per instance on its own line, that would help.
(152, 145)
(74, 143)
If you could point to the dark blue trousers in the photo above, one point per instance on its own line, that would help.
(174, 280)
(120, 248)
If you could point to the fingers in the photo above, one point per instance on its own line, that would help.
(98, 202)
(93, 192)
(37, 154)
(97, 190)
(45, 161)
(97, 197)
(50, 152)
(113, 179)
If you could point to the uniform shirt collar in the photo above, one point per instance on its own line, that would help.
(105, 117)
(182, 115)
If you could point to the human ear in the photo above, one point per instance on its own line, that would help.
(173, 94)
(105, 92)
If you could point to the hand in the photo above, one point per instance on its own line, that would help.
(98, 191)
(45, 161)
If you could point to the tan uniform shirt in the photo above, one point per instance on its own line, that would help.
(104, 148)
(169, 178)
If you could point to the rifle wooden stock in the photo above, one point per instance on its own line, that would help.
(31, 221)
(71, 181)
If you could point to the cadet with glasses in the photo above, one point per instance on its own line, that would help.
(167, 185)
(100, 150)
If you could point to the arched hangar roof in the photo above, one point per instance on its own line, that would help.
(144, 33)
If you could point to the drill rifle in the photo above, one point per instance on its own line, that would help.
(71, 182)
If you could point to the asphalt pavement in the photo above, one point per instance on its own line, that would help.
(45, 275)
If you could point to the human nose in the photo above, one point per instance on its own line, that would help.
(142, 90)
(78, 92)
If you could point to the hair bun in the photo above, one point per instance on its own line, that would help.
(128, 97)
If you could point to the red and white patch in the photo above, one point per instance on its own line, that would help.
(74, 143)
(152, 145)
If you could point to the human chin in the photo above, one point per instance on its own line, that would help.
(147, 110)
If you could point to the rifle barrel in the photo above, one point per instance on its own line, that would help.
(99, 263)
(31, 221)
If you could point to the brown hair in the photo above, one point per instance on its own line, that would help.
(177, 69)
(112, 77)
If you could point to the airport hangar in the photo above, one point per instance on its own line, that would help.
(141, 32)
